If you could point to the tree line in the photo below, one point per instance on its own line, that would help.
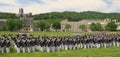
(76, 16)
(71, 16)
(15, 25)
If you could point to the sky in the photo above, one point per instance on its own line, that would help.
(45, 6)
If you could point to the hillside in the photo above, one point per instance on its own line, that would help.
(75, 16)
(71, 16)
(4, 15)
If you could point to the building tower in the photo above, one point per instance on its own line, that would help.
(20, 13)
(27, 20)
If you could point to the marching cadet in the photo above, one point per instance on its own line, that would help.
(98, 42)
(33, 44)
(18, 45)
(81, 42)
(44, 44)
(37, 43)
(57, 44)
(118, 41)
(53, 45)
(28, 45)
(66, 43)
(78, 43)
(74, 44)
(88, 42)
(85, 43)
(48, 45)
(2, 44)
(23, 41)
(7, 43)
(70, 43)
(41, 44)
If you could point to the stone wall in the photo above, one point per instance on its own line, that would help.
(75, 25)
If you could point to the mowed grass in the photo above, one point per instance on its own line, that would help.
(94, 52)
(52, 33)
(35, 34)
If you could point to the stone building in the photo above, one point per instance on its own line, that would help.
(28, 21)
(2, 22)
(75, 25)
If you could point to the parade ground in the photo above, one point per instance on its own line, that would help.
(35, 34)
(93, 52)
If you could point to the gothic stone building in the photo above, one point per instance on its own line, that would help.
(28, 21)
(75, 25)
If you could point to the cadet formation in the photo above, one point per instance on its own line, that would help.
(23, 43)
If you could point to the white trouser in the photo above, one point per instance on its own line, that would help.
(2, 50)
(98, 45)
(62, 46)
(37, 47)
(28, 49)
(88, 45)
(81, 45)
(114, 43)
(78, 46)
(85, 46)
(58, 48)
(15, 46)
(53, 48)
(118, 44)
(91, 45)
(105, 45)
(23, 49)
(18, 49)
(33, 48)
(48, 49)
(41, 49)
(7, 49)
(66, 47)
(73, 47)
(44, 48)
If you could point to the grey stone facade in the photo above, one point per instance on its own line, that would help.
(75, 25)
(28, 21)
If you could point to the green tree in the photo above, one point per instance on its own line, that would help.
(56, 24)
(67, 26)
(111, 26)
(13, 25)
(99, 27)
(96, 27)
(47, 26)
(93, 27)
(41, 25)
(82, 27)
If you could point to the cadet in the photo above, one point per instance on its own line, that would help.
(2, 45)
(7, 43)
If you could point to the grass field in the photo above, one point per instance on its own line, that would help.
(40, 33)
(49, 33)
(94, 52)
